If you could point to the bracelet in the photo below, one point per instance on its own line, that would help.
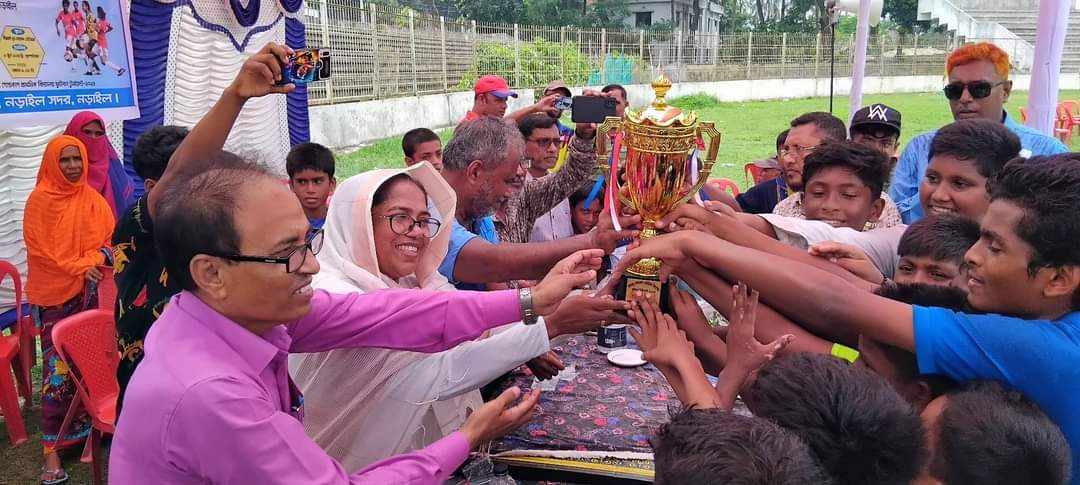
(844, 352)
(528, 315)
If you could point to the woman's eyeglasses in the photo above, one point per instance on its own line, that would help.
(292, 261)
(977, 89)
(403, 224)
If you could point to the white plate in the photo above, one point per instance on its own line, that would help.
(626, 357)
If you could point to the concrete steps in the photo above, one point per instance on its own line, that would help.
(1024, 23)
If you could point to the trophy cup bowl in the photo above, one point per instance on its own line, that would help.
(660, 141)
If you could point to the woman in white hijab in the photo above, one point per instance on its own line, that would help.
(361, 405)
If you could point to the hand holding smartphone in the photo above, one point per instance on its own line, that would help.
(306, 66)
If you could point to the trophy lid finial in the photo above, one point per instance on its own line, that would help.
(661, 85)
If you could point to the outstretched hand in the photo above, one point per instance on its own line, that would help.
(660, 339)
(671, 249)
(261, 72)
(574, 271)
(496, 418)
(745, 353)
(848, 257)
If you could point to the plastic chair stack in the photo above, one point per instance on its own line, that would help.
(86, 342)
(16, 358)
(724, 184)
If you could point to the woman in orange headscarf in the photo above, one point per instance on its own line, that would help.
(66, 227)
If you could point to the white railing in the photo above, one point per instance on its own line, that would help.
(1021, 52)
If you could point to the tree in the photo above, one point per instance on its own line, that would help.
(494, 11)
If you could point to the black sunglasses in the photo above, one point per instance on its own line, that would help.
(292, 261)
(978, 89)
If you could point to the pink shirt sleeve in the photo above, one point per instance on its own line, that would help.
(418, 320)
(226, 432)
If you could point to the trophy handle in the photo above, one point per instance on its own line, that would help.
(707, 161)
(602, 139)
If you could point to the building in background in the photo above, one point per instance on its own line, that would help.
(703, 16)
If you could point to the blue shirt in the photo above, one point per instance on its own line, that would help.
(763, 197)
(459, 237)
(1040, 358)
(912, 165)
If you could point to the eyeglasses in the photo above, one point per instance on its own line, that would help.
(977, 89)
(545, 142)
(403, 224)
(292, 261)
(882, 138)
(797, 151)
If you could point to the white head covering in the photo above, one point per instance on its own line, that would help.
(344, 386)
(348, 255)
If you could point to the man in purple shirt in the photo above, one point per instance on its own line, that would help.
(212, 401)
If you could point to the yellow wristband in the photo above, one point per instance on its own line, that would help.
(844, 352)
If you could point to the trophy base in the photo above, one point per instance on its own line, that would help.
(648, 287)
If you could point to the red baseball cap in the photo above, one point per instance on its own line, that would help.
(494, 85)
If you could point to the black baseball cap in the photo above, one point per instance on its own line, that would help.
(877, 114)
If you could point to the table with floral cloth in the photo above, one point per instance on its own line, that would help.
(599, 407)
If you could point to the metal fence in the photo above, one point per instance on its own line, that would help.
(379, 52)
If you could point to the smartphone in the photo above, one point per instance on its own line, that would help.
(306, 66)
(564, 103)
(592, 109)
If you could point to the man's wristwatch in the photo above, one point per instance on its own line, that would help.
(528, 315)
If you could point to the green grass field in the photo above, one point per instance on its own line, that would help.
(748, 129)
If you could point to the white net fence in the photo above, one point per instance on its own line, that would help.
(379, 52)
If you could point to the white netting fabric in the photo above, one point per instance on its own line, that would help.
(209, 63)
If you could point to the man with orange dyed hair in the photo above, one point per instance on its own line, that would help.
(978, 87)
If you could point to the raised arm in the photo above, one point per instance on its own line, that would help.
(544, 105)
(541, 195)
(257, 77)
(818, 297)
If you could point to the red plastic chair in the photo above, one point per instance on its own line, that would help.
(724, 184)
(86, 342)
(107, 290)
(15, 354)
(752, 172)
(1064, 125)
(1072, 109)
(1023, 115)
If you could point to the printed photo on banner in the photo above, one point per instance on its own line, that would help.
(63, 56)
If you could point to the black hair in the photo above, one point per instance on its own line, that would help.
(616, 87)
(65, 3)
(310, 156)
(781, 138)
(1047, 189)
(986, 143)
(533, 122)
(869, 164)
(100, 12)
(383, 192)
(858, 427)
(829, 126)
(923, 294)
(583, 192)
(943, 237)
(154, 148)
(413, 138)
(988, 434)
(197, 212)
(713, 446)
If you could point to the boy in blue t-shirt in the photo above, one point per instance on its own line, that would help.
(311, 177)
(1024, 273)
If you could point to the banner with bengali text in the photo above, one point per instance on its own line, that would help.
(60, 57)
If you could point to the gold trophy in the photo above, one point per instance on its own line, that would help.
(656, 174)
